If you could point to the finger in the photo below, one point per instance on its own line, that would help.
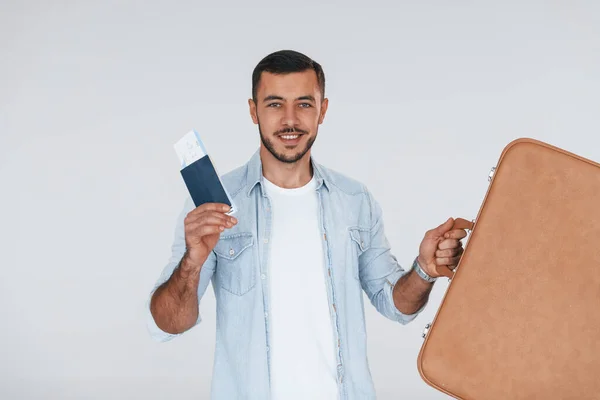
(205, 230)
(229, 220)
(446, 253)
(441, 230)
(449, 261)
(215, 219)
(449, 244)
(192, 218)
(456, 257)
(199, 230)
(456, 234)
(210, 207)
(193, 228)
(443, 261)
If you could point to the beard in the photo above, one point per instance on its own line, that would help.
(282, 157)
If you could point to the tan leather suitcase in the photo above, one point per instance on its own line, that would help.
(521, 316)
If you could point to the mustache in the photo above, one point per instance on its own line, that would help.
(290, 130)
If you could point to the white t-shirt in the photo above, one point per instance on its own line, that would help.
(302, 350)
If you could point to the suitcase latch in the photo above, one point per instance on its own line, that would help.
(426, 330)
(491, 175)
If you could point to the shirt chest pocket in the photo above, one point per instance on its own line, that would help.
(360, 241)
(236, 271)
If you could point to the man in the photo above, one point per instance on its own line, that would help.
(288, 271)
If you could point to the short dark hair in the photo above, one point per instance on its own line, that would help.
(284, 62)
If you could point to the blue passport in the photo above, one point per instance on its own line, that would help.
(199, 173)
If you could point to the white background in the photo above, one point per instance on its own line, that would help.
(423, 98)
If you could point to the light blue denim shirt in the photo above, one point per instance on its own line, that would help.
(357, 257)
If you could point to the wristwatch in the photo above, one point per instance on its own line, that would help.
(422, 272)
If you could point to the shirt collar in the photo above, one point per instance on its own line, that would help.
(255, 176)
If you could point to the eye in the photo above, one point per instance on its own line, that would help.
(305, 105)
(273, 105)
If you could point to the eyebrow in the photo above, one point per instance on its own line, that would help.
(274, 97)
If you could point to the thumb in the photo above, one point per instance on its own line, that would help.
(443, 228)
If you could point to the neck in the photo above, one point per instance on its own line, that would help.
(286, 175)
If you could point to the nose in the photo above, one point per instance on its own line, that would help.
(290, 117)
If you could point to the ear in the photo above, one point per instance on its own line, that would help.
(252, 106)
(324, 105)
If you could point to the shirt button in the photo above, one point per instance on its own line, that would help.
(231, 252)
(266, 240)
(263, 276)
(268, 348)
(266, 315)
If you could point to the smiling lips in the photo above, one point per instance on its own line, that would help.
(290, 139)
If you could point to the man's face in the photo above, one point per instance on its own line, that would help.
(289, 109)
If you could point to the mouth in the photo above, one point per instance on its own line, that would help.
(290, 139)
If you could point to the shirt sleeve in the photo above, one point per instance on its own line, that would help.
(379, 269)
(177, 251)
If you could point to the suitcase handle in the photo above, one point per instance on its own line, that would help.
(459, 223)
